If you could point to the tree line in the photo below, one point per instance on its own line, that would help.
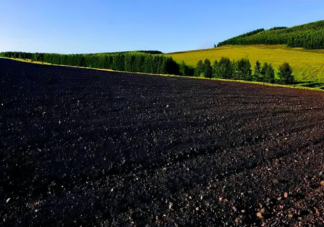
(241, 70)
(123, 61)
(308, 36)
(161, 64)
(277, 28)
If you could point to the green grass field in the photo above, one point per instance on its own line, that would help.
(308, 65)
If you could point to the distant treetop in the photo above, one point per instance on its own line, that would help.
(277, 28)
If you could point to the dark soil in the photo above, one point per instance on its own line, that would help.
(82, 147)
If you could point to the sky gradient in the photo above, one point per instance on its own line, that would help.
(93, 26)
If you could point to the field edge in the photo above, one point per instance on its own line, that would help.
(296, 86)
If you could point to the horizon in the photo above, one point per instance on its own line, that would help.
(72, 27)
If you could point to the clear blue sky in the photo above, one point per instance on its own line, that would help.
(90, 26)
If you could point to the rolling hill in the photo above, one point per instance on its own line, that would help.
(301, 46)
(308, 36)
(308, 65)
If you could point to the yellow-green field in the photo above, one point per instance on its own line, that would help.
(308, 65)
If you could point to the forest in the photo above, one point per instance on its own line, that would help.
(136, 61)
(308, 36)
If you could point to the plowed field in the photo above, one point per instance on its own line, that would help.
(82, 147)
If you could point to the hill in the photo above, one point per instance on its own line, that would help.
(308, 36)
(308, 65)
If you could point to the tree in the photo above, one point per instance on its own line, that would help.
(148, 64)
(243, 69)
(129, 60)
(199, 68)
(139, 64)
(285, 73)
(269, 74)
(257, 70)
(215, 65)
(82, 61)
(183, 69)
(208, 71)
(161, 65)
(186, 70)
(264, 68)
(171, 67)
(224, 69)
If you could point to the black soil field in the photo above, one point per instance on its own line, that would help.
(81, 147)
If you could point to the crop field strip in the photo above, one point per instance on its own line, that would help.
(113, 149)
(307, 64)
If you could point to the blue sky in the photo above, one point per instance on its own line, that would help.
(91, 26)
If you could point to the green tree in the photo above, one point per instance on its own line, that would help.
(199, 68)
(215, 65)
(140, 62)
(162, 66)
(186, 70)
(243, 69)
(264, 68)
(224, 69)
(285, 73)
(208, 71)
(171, 66)
(183, 69)
(148, 64)
(129, 62)
(269, 75)
(257, 70)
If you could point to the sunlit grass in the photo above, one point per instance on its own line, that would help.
(308, 65)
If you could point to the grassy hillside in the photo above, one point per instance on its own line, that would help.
(308, 36)
(308, 65)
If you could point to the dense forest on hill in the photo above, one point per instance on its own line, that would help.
(308, 36)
